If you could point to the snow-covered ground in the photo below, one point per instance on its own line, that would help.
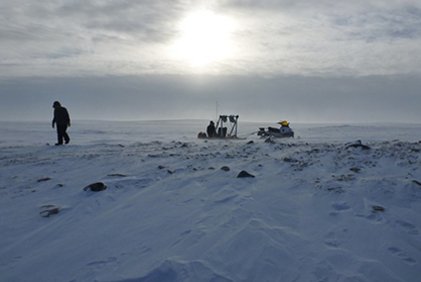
(174, 209)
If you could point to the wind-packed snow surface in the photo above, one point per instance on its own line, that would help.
(320, 207)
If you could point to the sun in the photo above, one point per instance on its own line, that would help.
(204, 38)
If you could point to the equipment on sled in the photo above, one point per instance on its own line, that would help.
(221, 130)
(282, 132)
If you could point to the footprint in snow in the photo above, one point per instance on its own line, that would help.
(410, 228)
(226, 199)
(340, 206)
(402, 255)
(335, 239)
(102, 262)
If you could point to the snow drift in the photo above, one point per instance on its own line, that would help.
(320, 207)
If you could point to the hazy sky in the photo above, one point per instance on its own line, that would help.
(305, 61)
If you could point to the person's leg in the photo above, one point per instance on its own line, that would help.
(60, 131)
(66, 136)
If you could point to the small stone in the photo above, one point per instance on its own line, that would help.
(289, 160)
(96, 187)
(358, 144)
(355, 169)
(337, 189)
(378, 208)
(225, 168)
(244, 174)
(117, 175)
(250, 142)
(161, 167)
(416, 182)
(43, 179)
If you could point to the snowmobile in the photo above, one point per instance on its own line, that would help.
(221, 130)
(284, 132)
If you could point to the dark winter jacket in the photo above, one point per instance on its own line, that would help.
(61, 116)
(211, 130)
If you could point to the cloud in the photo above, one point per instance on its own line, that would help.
(331, 38)
(41, 37)
(146, 20)
(60, 38)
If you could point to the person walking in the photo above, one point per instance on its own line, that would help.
(62, 121)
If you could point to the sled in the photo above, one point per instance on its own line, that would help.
(226, 129)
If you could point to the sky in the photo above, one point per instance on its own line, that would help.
(301, 60)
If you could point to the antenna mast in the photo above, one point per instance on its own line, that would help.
(216, 110)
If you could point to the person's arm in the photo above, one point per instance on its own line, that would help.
(54, 119)
(68, 118)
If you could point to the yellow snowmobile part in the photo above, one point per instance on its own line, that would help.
(284, 123)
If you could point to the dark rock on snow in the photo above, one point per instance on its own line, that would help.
(244, 174)
(117, 175)
(417, 182)
(96, 187)
(225, 168)
(355, 169)
(358, 144)
(378, 209)
(43, 179)
(289, 160)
